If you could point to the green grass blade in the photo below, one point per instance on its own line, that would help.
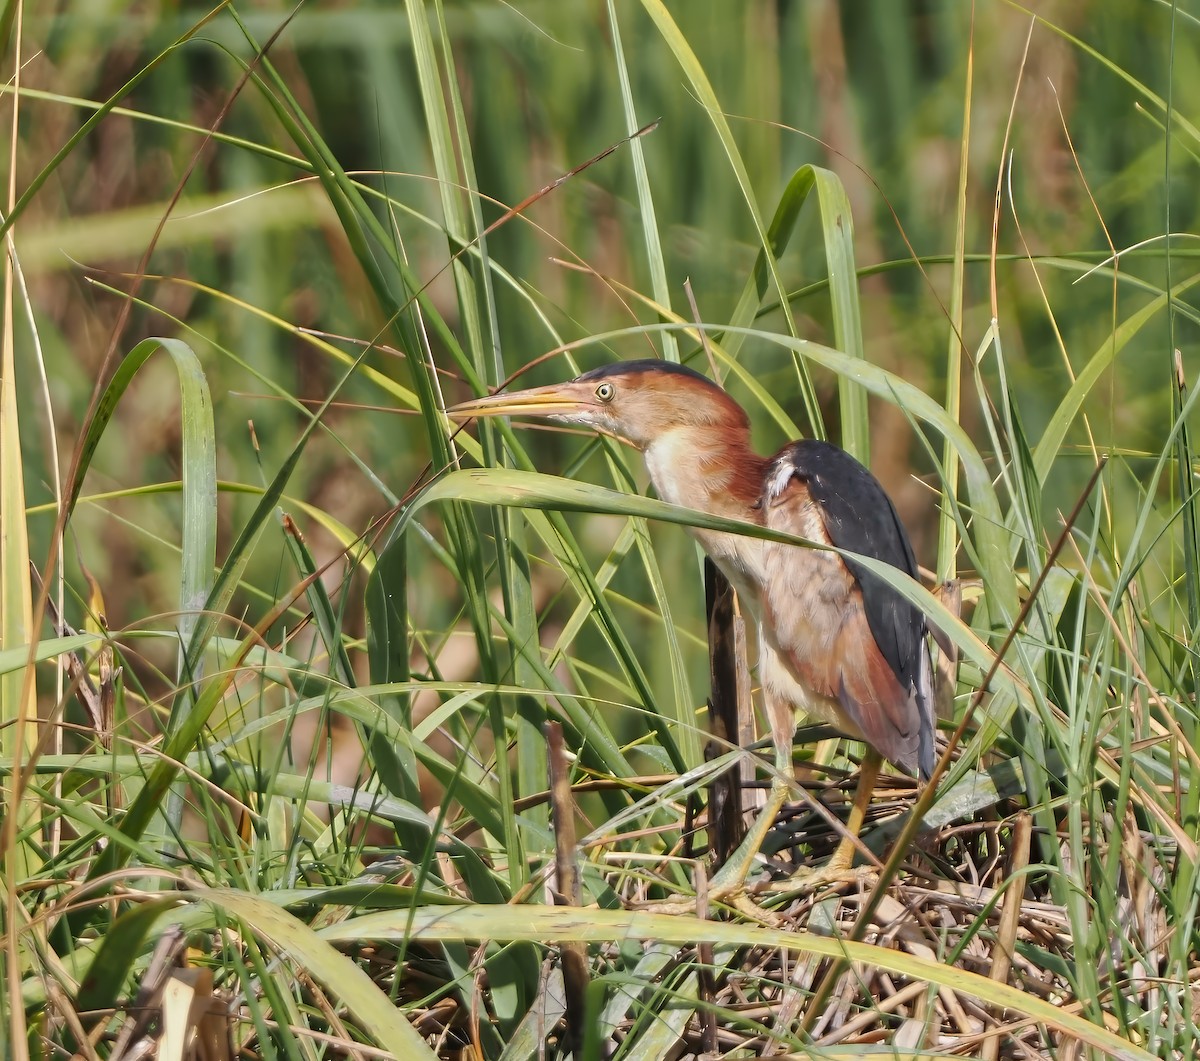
(119, 948)
(1051, 442)
(199, 483)
(947, 556)
(374, 1012)
(550, 924)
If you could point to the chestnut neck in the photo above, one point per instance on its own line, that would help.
(710, 467)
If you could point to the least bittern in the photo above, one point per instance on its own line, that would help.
(835, 641)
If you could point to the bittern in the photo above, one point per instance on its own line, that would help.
(834, 640)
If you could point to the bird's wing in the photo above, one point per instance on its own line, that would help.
(817, 491)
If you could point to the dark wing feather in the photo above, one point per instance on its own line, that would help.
(859, 517)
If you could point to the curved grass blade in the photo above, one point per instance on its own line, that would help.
(373, 1011)
(199, 481)
(181, 739)
(199, 494)
(501, 486)
(1051, 442)
(546, 925)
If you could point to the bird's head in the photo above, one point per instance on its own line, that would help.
(638, 402)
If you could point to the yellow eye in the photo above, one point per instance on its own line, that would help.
(606, 392)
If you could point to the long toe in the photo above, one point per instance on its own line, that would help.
(732, 896)
(810, 879)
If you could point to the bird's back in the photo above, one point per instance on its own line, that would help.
(844, 634)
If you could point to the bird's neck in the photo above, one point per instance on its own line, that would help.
(714, 471)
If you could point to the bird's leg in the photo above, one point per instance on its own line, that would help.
(840, 867)
(729, 884)
(731, 877)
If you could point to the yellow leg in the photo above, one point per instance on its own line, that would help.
(840, 867)
(728, 886)
(731, 878)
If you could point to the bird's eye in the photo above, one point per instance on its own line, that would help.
(605, 392)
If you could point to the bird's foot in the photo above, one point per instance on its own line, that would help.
(732, 895)
(810, 879)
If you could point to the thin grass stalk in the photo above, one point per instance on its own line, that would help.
(647, 215)
(1110, 864)
(1037, 734)
(947, 553)
(18, 689)
(55, 477)
(648, 227)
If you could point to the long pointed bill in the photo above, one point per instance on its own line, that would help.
(559, 399)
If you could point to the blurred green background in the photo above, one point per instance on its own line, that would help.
(873, 89)
(212, 206)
